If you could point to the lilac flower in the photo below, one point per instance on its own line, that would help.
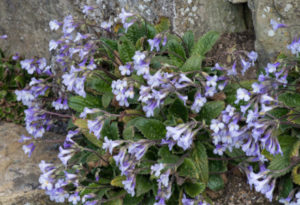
(79, 37)
(154, 43)
(45, 167)
(156, 169)
(46, 181)
(127, 25)
(211, 81)
(294, 47)
(74, 198)
(252, 57)
(58, 195)
(122, 92)
(124, 15)
(54, 25)
(87, 111)
(24, 138)
(86, 9)
(271, 68)
(198, 103)
(110, 144)
(125, 69)
(233, 70)
(216, 125)
(219, 150)
(242, 94)
(129, 185)
(246, 65)
(276, 25)
(28, 149)
(28, 65)
(139, 57)
(53, 45)
(187, 201)
(106, 25)
(68, 25)
(210, 91)
(95, 126)
(65, 154)
(218, 67)
(16, 57)
(60, 104)
(3, 37)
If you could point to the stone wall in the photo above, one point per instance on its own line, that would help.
(26, 21)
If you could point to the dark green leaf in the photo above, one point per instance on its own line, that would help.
(211, 110)
(179, 110)
(150, 128)
(194, 189)
(188, 169)
(215, 183)
(143, 185)
(193, 63)
(200, 160)
(166, 156)
(290, 99)
(189, 40)
(111, 131)
(205, 43)
(285, 186)
(163, 25)
(78, 103)
(176, 52)
(106, 99)
(126, 49)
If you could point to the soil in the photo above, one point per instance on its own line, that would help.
(230, 48)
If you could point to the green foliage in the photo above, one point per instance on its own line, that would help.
(12, 78)
(205, 43)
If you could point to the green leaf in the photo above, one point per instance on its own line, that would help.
(179, 110)
(163, 25)
(106, 99)
(279, 163)
(215, 183)
(117, 181)
(194, 189)
(78, 103)
(205, 43)
(176, 52)
(200, 160)
(143, 185)
(128, 133)
(129, 200)
(188, 169)
(110, 130)
(290, 99)
(126, 49)
(285, 186)
(166, 156)
(189, 40)
(211, 110)
(193, 63)
(102, 85)
(3, 93)
(150, 128)
(296, 175)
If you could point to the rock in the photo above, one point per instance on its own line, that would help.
(27, 24)
(19, 174)
(29, 34)
(268, 43)
(199, 16)
(238, 1)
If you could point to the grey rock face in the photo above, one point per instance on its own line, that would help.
(19, 174)
(26, 22)
(268, 43)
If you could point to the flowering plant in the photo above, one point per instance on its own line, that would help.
(148, 123)
(12, 77)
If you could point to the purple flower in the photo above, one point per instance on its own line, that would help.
(137, 149)
(28, 65)
(86, 9)
(271, 68)
(198, 103)
(252, 57)
(211, 81)
(129, 185)
(28, 149)
(106, 25)
(156, 169)
(154, 43)
(65, 154)
(16, 57)
(109, 144)
(24, 138)
(54, 25)
(124, 15)
(242, 94)
(233, 70)
(218, 67)
(216, 125)
(45, 167)
(95, 126)
(294, 47)
(125, 69)
(187, 201)
(122, 92)
(46, 181)
(87, 111)
(53, 45)
(139, 57)
(3, 37)
(60, 104)
(276, 25)
(74, 198)
(246, 65)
